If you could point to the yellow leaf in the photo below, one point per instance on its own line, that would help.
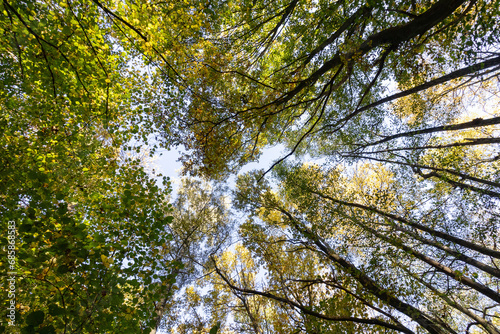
(105, 260)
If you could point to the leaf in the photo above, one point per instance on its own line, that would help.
(62, 269)
(106, 261)
(215, 329)
(28, 330)
(47, 330)
(35, 318)
(55, 310)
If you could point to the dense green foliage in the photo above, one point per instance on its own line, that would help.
(393, 228)
(89, 218)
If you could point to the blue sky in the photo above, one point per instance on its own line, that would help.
(168, 165)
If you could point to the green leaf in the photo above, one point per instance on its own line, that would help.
(215, 329)
(47, 330)
(55, 310)
(63, 269)
(35, 318)
(28, 330)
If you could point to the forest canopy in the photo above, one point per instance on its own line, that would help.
(381, 215)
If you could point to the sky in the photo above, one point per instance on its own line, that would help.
(168, 165)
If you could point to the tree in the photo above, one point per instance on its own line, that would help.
(401, 256)
(202, 227)
(313, 75)
(89, 220)
(397, 232)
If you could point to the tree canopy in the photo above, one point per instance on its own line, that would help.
(380, 217)
(89, 218)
